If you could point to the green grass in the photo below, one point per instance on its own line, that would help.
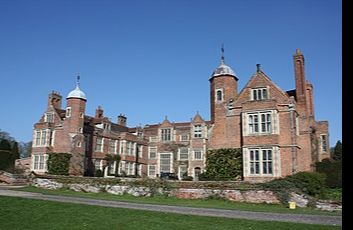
(209, 203)
(20, 213)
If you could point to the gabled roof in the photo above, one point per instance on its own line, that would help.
(260, 79)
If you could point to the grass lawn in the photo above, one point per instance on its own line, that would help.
(209, 203)
(20, 213)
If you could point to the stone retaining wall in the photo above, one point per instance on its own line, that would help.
(250, 196)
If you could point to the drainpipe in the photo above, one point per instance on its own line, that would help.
(293, 138)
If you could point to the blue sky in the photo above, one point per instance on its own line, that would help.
(148, 59)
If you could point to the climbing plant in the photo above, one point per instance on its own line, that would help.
(59, 163)
(223, 164)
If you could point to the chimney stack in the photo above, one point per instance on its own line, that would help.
(122, 120)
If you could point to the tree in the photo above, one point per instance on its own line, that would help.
(6, 159)
(15, 151)
(337, 152)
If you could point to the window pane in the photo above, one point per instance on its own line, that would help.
(264, 93)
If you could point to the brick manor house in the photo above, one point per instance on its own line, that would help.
(275, 129)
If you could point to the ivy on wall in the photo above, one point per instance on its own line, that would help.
(223, 164)
(58, 163)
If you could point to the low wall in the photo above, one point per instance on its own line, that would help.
(13, 179)
(132, 187)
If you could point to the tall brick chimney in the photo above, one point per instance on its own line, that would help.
(300, 81)
(99, 112)
(122, 120)
(54, 99)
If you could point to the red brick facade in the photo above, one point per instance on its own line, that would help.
(275, 129)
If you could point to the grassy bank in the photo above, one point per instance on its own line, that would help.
(208, 203)
(19, 213)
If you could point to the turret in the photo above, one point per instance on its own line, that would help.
(223, 87)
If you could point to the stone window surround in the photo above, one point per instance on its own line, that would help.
(276, 161)
(41, 159)
(274, 122)
(263, 96)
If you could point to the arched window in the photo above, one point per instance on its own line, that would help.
(219, 95)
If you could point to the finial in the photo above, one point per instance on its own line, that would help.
(78, 80)
(222, 51)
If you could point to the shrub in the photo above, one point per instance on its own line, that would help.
(310, 183)
(333, 172)
(99, 173)
(187, 178)
(223, 164)
(59, 163)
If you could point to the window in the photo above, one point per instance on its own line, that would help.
(219, 95)
(198, 131)
(81, 115)
(106, 126)
(183, 171)
(152, 170)
(260, 161)
(41, 136)
(259, 122)
(98, 164)
(165, 162)
(184, 137)
(324, 143)
(198, 154)
(129, 148)
(80, 130)
(166, 135)
(154, 139)
(259, 94)
(39, 162)
(68, 112)
(79, 144)
(99, 144)
(139, 151)
(152, 152)
(49, 117)
(112, 146)
(183, 154)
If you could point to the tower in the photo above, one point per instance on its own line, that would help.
(223, 88)
(74, 122)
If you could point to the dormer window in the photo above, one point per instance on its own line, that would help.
(49, 117)
(259, 94)
(219, 95)
(197, 131)
(166, 134)
(106, 126)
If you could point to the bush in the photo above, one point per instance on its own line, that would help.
(59, 163)
(99, 173)
(223, 164)
(333, 172)
(187, 178)
(309, 183)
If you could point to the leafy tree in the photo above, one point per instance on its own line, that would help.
(5, 145)
(15, 151)
(337, 151)
(6, 159)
